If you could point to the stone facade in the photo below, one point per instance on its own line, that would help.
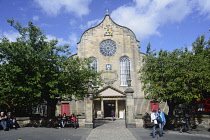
(111, 96)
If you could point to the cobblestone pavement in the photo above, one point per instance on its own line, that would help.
(145, 134)
(105, 130)
(110, 130)
(43, 133)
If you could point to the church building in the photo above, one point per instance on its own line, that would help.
(114, 51)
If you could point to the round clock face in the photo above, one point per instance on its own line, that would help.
(108, 47)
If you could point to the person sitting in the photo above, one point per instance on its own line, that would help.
(10, 120)
(63, 120)
(74, 121)
(3, 119)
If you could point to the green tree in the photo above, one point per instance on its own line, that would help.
(177, 77)
(33, 70)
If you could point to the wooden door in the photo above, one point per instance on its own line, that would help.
(154, 105)
(65, 109)
(109, 105)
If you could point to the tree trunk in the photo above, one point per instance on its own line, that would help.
(172, 103)
(51, 107)
(171, 106)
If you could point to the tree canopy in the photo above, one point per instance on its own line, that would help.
(34, 70)
(181, 76)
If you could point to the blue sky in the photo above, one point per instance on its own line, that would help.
(166, 24)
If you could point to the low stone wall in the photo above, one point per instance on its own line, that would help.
(81, 121)
(139, 120)
(43, 121)
(23, 121)
(34, 121)
(202, 122)
(199, 122)
(139, 123)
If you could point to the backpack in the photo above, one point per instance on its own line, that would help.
(159, 120)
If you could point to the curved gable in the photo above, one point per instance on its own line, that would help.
(107, 19)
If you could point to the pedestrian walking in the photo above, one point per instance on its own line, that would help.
(154, 121)
(185, 121)
(161, 121)
(112, 114)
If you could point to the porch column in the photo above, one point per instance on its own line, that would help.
(116, 109)
(102, 107)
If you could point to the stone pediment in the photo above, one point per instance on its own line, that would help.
(110, 92)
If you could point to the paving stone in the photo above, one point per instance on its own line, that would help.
(111, 130)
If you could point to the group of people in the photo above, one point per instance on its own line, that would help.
(158, 118)
(63, 120)
(7, 121)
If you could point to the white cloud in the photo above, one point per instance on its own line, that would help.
(204, 7)
(142, 3)
(140, 23)
(61, 41)
(72, 22)
(146, 16)
(11, 35)
(72, 41)
(35, 18)
(90, 24)
(54, 7)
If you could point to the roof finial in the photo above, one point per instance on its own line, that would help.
(107, 12)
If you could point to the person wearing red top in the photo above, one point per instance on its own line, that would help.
(74, 121)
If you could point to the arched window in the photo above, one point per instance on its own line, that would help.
(93, 64)
(124, 70)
